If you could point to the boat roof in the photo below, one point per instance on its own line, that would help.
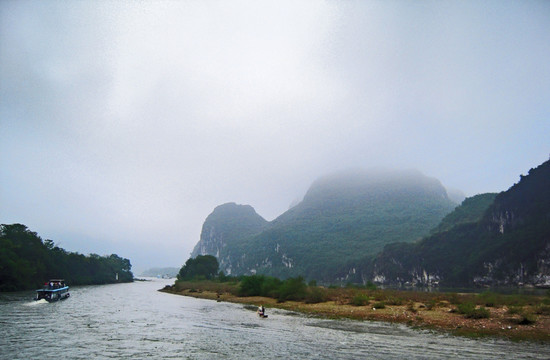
(53, 290)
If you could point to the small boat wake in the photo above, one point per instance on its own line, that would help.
(36, 302)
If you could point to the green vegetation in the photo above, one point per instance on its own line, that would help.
(230, 221)
(379, 305)
(358, 226)
(315, 295)
(471, 210)
(342, 220)
(394, 300)
(26, 262)
(462, 314)
(471, 311)
(489, 299)
(508, 239)
(267, 286)
(542, 309)
(201, 267)
(296, 289)
(360, 300)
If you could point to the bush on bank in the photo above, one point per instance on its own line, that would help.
(470, 305)
(282, 290)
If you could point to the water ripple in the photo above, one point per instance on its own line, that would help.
(134, 321)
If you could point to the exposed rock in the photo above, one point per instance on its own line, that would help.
(508, 246)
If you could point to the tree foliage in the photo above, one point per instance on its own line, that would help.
(26, 262)
(203, 266)
(268, 286)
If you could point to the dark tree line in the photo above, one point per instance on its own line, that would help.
(201, 267)
(26, 262)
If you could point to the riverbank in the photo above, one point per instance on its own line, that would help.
(411, 308)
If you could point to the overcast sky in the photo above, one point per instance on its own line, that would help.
(123, 124)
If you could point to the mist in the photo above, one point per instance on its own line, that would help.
(123, 124)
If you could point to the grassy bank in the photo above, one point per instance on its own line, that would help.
(516, 317)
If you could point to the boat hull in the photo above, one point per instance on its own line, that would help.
(52, 295)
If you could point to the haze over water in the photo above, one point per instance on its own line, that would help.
(134, 321)
(125, 123)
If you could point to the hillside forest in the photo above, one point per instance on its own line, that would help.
(26, 262)
(392, 228)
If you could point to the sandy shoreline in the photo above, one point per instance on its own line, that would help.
(499, 324)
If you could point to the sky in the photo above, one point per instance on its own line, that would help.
(123, 124)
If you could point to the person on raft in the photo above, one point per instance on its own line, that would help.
(261, 311)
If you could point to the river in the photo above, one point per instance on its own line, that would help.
(134, 321)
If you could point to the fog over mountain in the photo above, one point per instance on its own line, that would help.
(344, 219)
(123, 123)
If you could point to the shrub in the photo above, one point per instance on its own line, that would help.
(394, 301)
(455, 299)
(542, 309)
(489, 299)
(360, 300)
(379, 305)
(226, 278)
(251, 285)
(293, 289)
(201, 267)
(469, 310)
(512, 310)
(465, 308)
(527, 319)
(481, 313)
(518, 299)
(316, 295)
(431, 304)
(370, 285)
(270, 287)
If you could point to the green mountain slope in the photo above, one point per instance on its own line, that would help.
(508, 245)
(471, 210)
(227, 225)
(343, 218)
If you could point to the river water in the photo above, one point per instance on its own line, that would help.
(134, 321)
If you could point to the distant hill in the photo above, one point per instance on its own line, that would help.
(162, 272)
(455, 195)
(471, 210)
(343, 218)
(226, 225)
(505, 242)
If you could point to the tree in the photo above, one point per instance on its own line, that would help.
(203, 266)
(26, 262)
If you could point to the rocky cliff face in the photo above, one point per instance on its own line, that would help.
(499, 273)
(508, 245)
(342, 218)
(225, 225)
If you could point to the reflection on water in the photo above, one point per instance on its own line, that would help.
(134, 321)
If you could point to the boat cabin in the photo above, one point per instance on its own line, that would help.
(53, 290)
